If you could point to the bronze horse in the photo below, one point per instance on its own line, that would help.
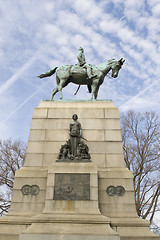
(78, 75)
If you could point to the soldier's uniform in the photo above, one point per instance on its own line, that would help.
(82, 63)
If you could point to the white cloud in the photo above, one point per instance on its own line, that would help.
(156, 9)
(133, 9)
(15, 77)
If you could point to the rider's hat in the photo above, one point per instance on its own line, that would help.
(81, 49)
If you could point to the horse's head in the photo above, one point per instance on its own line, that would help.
(116, 66)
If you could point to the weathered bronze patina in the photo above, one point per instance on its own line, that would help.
(112, 190)
(74, 149)
(70, 186)
(83, 74)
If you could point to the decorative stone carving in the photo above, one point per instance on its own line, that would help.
(27, 189)
(112, 190)
(74, 149)
(34, 189)
(120, 191)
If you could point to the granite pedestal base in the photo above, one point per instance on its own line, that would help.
(47, 205)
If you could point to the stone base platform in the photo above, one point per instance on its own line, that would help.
(102, 206)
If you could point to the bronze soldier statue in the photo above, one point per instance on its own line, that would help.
(75, 134)
(82, 63)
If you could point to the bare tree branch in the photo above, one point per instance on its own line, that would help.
(141, 145)
(12, 154)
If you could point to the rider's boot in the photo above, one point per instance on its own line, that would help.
(89, 73)
(92, 76)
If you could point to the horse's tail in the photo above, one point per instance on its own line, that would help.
(48, 74)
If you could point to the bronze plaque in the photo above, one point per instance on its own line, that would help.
(72, 186)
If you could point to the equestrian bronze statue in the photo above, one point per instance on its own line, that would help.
(83, 74)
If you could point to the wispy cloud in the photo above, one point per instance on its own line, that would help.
(130, 103)
(18, 74)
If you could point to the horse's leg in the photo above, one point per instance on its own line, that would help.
(94, 86)
(96, 92)
(54, 92)
(61, 85)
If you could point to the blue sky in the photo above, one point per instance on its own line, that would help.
(37, 35)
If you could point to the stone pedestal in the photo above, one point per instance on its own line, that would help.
(71, 208)
(47, 205)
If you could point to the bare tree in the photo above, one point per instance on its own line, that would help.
(12, 154)
(141, 145)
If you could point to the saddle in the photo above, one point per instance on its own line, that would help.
(75, 69)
